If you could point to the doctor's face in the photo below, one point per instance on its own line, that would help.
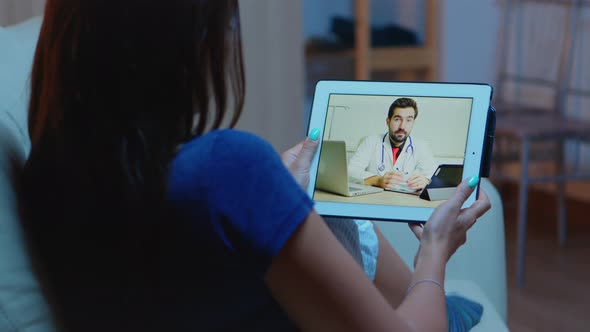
(400, 124)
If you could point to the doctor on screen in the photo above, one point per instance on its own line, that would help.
(394, 159)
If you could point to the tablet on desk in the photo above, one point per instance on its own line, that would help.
(443, 183)
(400, 135)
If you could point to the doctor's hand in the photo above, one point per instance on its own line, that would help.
(298, 158)
(418, 182)
(446, 229)
(391, 179)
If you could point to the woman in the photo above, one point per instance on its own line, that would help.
(141, 215)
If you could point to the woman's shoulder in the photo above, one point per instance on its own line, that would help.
(224, 144)
(219, 153)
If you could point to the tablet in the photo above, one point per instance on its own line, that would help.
(394, 137)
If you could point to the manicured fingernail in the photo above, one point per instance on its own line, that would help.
(314, 135)
(473, 182)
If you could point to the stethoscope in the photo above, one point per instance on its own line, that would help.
(381, 167)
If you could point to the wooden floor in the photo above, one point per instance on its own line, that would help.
(556, 295)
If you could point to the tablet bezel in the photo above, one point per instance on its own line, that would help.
(479, 93)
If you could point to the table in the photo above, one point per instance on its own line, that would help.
(380, 198)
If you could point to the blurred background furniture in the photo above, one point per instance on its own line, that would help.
(406, 58)
(418, 62)
(538, 132)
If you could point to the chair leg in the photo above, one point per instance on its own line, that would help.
(562, 221)
(522, 212)
(500, 164)
(561, 197)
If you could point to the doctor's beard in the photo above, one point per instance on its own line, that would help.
(394, 137)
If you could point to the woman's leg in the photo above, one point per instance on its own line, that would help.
(365, 242)
(392, 276)
(381, 263)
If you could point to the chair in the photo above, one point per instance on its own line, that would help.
(534, 94)
(412, 63)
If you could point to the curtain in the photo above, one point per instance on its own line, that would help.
(14, 11)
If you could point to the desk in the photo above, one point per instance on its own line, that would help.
(380, 198)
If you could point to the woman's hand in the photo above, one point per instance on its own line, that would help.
(446, 229)
(298, 158)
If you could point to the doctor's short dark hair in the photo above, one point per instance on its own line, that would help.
(403, 103)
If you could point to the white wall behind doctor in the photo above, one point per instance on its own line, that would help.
(442, 123)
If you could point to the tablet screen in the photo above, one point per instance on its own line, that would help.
(387, 150)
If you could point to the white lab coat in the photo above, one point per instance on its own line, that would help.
(367, 159)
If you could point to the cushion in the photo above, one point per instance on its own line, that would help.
(490, 320)
(22, 307)
(18, 47)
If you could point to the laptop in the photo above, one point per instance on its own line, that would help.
(333, 172)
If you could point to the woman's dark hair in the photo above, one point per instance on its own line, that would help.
(116, 87)
(130, 77)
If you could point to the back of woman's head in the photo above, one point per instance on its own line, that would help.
(123, 82)
(116, 86)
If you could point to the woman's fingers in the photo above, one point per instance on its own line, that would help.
(476, 210)
(307, 151)
(464, 190)
(300, 155)
(289, 156)
(416, 229)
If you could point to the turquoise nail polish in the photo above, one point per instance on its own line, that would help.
(473, 182)
(314, 135)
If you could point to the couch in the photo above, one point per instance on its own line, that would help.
(477, 270)
(22, 307)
